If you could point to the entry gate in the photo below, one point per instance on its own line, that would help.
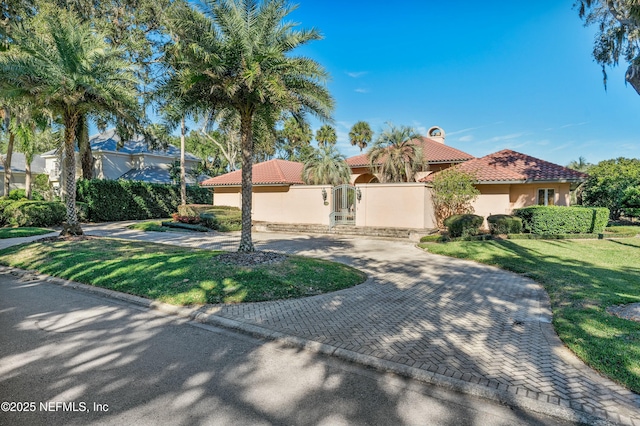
(343, 206)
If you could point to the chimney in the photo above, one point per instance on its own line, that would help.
(437, 134)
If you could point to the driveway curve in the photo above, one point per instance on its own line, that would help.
(469, 326)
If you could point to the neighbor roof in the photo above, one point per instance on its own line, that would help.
(153, 175)
(272, 172)
(512, 166)
(108, 142)
(434, 152)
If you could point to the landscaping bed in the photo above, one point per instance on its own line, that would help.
(583, 279)
(177, 275)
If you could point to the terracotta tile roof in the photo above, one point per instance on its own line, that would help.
(512, 166)
(272, 172)
(434, 152)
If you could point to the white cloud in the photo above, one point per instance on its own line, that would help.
(357, 74)
(574, 124)
(473, 128)
(467, 138)
(362, 90)
(507, 137)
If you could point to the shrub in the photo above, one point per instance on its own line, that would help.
(504, 224)
(83, 211)
(453, 193)
(17, 194)
(35, 213)
(463, 225)
(177, 217)
(4, 203)
(552, 220)
(110, 200)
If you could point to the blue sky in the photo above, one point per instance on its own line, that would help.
(493, 75)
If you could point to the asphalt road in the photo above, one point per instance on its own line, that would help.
(113, 363)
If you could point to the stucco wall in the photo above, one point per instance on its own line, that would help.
(523, 195)
(281, 204)
(396, 205)
(17, 181)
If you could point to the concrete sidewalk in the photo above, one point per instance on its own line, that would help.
(469, 327)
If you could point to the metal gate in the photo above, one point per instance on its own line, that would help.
(343, 205)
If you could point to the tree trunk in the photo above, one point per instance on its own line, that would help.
(72, 226)
(183, 180)
(86, 157)
(633, 76)
(27, 178)
(246, 134)
(7, 158)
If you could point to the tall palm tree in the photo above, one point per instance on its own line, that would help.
(326, 167)
(395, 155)
(361, 135)
(326, 136)
(62, 64)
(239, 57)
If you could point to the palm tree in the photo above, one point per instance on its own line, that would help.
(63, 64)
(294, 138)
(580, 165)
(361, 134)
(326, 167)
(326, 136)
(395, 156)
(239, 58)
(34, 136)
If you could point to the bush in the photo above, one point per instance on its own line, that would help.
(4, 203)
(17, 194)
(82, 210)
(434, 238)
(35, 213)
(504, 224)
(463, 225)
(111, 200)
(551, 220)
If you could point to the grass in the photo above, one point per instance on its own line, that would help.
(22, 232)
(176, 275)
(583, 278)
(622, 230)
(154, 225)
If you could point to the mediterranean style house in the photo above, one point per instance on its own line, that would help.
(507, 180)
(133, 161)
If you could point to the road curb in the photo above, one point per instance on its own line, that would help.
(207, 315)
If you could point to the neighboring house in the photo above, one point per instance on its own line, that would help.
(134, 161)
(437, 156)
(18, 171)
(506, 180)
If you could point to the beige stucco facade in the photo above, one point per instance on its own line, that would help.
(395, 205)
(390, 205)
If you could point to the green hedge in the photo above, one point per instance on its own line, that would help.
(504, 224)
(34, 213)
(463, 225)
(551, 220)
(115, 200)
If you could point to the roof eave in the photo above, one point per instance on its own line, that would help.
(238, 185)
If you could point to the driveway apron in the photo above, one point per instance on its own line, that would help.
(450, 318)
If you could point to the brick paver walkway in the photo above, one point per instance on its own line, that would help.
(453, 318)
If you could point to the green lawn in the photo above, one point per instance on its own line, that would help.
(582, 278)
(177, 275)
(22, 232)
(153, 225)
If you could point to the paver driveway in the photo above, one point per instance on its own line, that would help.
(452, 319)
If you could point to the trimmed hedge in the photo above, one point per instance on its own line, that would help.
(116, 200)
(463, 225)
(552, 220)
(34, 213)
(504, 224)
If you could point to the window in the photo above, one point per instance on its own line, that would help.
(546, 197)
